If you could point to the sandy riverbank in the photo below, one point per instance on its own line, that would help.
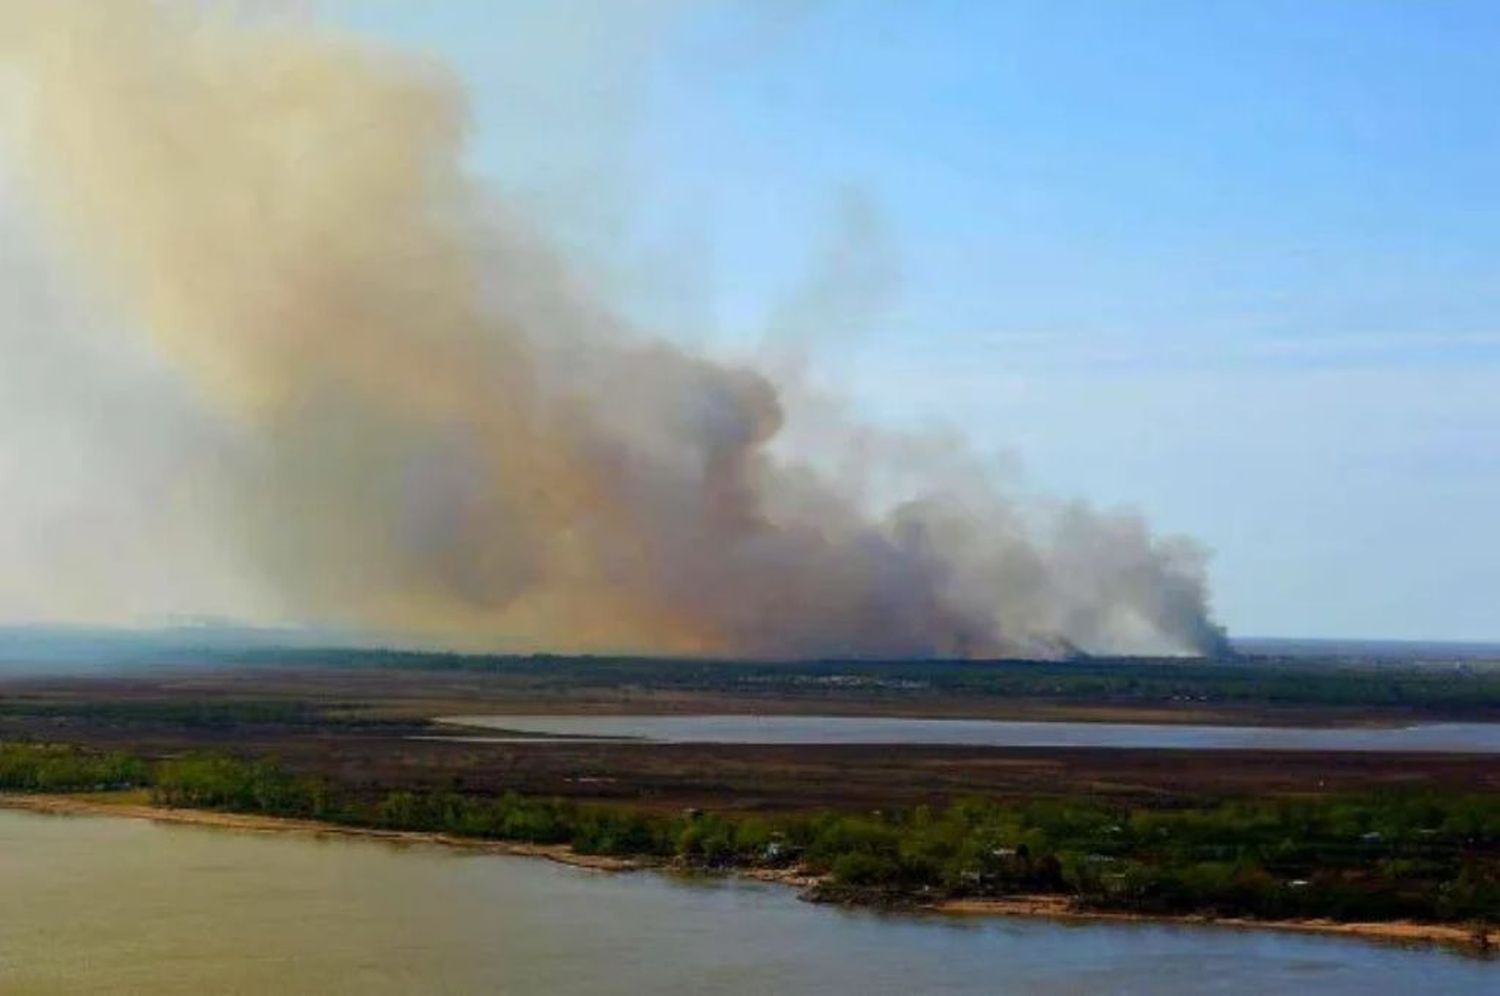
(1061, 908)
(95, 806)
(1047, 906)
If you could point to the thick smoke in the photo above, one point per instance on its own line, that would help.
(440, 435)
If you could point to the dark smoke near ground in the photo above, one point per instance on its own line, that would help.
(439, 434)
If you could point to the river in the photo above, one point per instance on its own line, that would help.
(111, 905)
(1479, 738)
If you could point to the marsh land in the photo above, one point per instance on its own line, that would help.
(352, 738)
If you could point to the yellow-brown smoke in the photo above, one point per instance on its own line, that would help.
(448, 439)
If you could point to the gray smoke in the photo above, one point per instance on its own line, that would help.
(437, 432)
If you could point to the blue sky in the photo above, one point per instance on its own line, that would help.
(1234, 264)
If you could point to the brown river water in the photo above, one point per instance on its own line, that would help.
(111, 905)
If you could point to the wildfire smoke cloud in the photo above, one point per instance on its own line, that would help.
(447, 437)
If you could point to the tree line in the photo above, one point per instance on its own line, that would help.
(1426, 855)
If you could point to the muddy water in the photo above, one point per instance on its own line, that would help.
(109, 905)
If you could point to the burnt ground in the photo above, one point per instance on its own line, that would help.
(358, 726)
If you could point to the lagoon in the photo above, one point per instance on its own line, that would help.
(1480, 738)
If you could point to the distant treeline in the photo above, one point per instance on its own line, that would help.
(206, 714)
(1454, 687)
(1425, 856)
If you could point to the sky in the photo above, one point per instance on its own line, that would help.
(1231, 265)
(1235, 265)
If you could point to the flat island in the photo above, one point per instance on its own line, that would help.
(1382, 843)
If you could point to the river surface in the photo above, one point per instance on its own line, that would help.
(111, 905)
(1481, 738)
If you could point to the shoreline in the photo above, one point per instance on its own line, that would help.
(1042, 906)
(66, 805)
(1057, 907)
(1261, 718)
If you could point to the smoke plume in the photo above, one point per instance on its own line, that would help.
(438, 433)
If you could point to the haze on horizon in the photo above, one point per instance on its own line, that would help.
(1205, 304)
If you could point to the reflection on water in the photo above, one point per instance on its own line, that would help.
(102, 905)
(1481, 738)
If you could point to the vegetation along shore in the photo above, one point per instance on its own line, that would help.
(1421, 865)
